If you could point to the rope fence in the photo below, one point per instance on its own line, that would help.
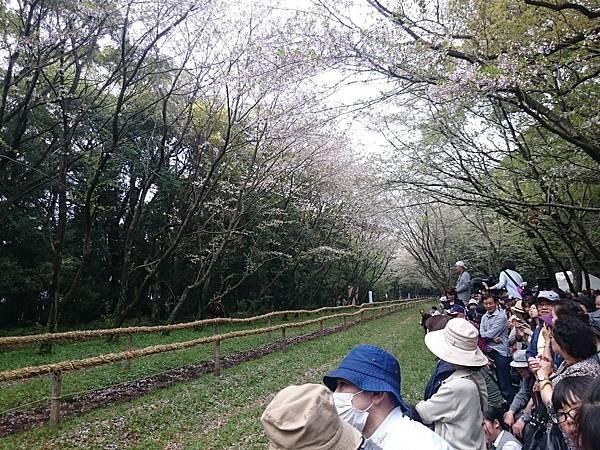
(84, 335)
(56, 370)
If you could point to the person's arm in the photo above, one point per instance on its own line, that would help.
(440, 407)
(519, 426)
(521, 398)
(513, 336)
(502, 279)
(546, 369)
(495, 326)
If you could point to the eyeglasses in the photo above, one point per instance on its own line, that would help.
(561, 417)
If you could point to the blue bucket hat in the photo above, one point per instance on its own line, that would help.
(371, 369)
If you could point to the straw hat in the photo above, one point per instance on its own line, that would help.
(518, 307)
(457, 344)
(304, 417)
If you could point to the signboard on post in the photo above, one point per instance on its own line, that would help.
(370, 296)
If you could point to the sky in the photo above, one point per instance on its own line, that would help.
(359, 122)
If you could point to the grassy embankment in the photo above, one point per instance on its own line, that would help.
(222, 412)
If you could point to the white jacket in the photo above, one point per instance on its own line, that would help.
(456, 410)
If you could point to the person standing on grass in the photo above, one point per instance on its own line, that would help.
(494, 331)
(463, 284)
(366, 392)
(456, 409)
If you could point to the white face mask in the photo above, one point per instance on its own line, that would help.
(347, 412)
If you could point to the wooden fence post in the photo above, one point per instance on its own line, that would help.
(127, 362)
(344, 320)
(217, 352)
(283, 332)
(321, 323)
(55, 398)
(362, 315)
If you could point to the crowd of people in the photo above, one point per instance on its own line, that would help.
(517, 369)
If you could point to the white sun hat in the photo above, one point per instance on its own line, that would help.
(457, 344)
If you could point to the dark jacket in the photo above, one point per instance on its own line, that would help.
(442, 371)
(531, 351)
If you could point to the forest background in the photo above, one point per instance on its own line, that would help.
(155, 156)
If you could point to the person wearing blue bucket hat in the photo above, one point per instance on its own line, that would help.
(367, 394)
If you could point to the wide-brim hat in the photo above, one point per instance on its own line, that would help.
(457, 344)
(518, 307)
(519, 359)
(305, 418)
(371, 369)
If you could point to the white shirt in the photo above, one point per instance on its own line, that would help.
(541, 343)
(512, 445)
(398, 432)
(506, 283)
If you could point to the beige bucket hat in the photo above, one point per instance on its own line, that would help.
(457, 344)
(304, 417)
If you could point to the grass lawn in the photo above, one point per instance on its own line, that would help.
(223, 412)
(16, 395)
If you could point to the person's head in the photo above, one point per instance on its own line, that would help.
(566, 401)
(589, 417)
(573, 339)
(451, 294)
(490, 303)
(518, 309)
(545, 300)
(567, 307)
(305, 417)
(460, 267)
(492, 423)
(520, 363)
(533, 311)
(366, 387)
(586, 303)
(472, 305)
(597, 302)
(458, 311)
(509, 265)
(434, 308)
